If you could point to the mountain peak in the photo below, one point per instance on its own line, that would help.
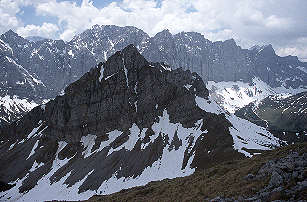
(164, 33)
(96, 26)
(128, 58)
(131, 55)
(230, 42)
(10, 33)
(130, 48)
(266, 48)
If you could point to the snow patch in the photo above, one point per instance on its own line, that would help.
(33, 149)
(36, 166)
(43, 107)
(169, 165)
(188, 86)
(88, 143)
(208, 105)
(130, 143)
(126, 73)
(250, 136)
(234, 95)
(34, 131)
(111, 137)
(12, 105)
(71, 53)
(101, 73)
(12, 146)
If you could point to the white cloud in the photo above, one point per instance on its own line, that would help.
(8, 11)
(249, 22)
(297, 48)
(47, 30)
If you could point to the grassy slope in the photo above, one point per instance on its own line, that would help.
(226, 180)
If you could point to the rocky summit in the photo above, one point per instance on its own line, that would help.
(124, 123)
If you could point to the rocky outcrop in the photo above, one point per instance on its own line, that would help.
(124, 123)
(286, 180)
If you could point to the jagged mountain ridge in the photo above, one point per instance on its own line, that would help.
(193, 51)
(124, 123)
(43, 68)
(38, 70)
(66, 62)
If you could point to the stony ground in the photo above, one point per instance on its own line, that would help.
(280, 174)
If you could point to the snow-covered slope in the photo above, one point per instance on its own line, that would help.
(13, 107)
(169, 165)
(235, 95)
(280, 114)
(245, 134)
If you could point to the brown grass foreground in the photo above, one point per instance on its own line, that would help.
(225, 180)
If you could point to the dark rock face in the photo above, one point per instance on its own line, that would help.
(286, 118)
(5, 186)
(125, 119)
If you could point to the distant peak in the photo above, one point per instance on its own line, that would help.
(268, 49)
(255, 47)
(269, 46)
(230, 42)
(96, 26)
(265, 48)
(164, 33)
(10, 33)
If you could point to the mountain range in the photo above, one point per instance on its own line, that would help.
(124, 123)
(40, 69)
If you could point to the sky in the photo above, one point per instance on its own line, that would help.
(282, 23)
